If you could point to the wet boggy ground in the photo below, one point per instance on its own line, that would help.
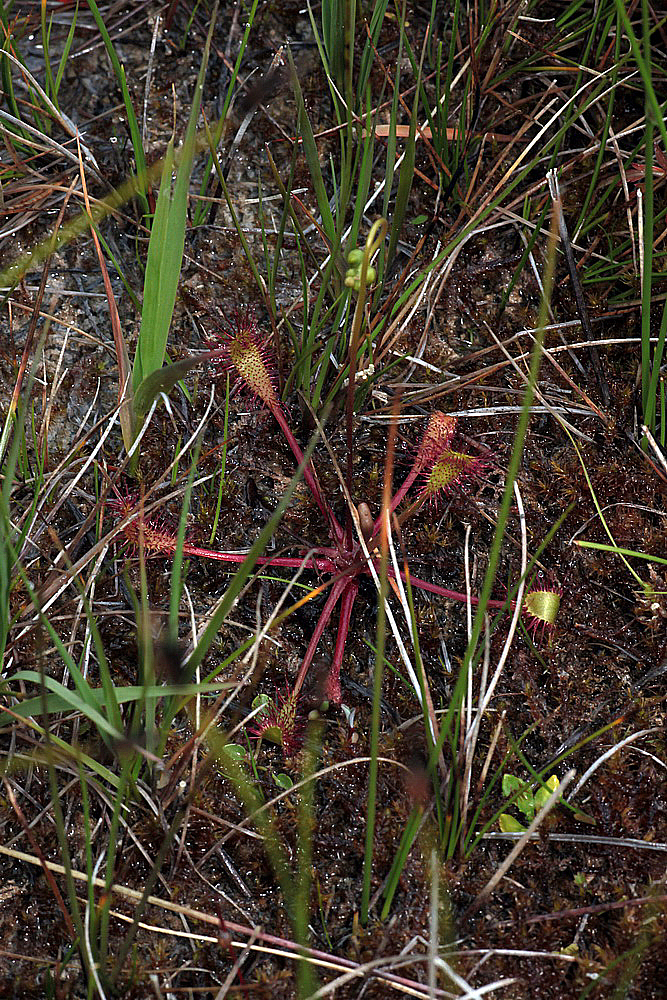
(581, 912)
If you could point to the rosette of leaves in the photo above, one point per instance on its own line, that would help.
(527, 801)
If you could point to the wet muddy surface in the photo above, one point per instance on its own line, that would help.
(583, 906)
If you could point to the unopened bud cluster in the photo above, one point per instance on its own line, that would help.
(353, 274)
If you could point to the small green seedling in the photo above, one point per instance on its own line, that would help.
(240, 755)
(282, 780)
(526, 801)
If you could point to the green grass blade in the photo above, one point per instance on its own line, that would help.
(407, 173)
(223, 466)
(7, 83)
(650, 408)
(77, 701)
(312, 157)
(177, 563)
(124, 696)
(407, 840)
(619, 551)
(306, 824)
(83, 700)
(368, 54)
(46, 32)
(167, 242)
(65, 55)
(333, 38)
(643, 64)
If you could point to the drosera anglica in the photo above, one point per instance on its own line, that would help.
(343, 562)
(248, 359)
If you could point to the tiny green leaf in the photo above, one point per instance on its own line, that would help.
(273, 734)
(508, 824)
(283, 780)
(511, 784)
(526, 804)
(543, 793)
(263, 700)
(163, 380)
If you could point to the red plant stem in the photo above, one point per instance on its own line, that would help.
(451, 595)
(407, 483)
(336, 590)
(400, 493)
(293, 562)
(308, 474)
(333, 691)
